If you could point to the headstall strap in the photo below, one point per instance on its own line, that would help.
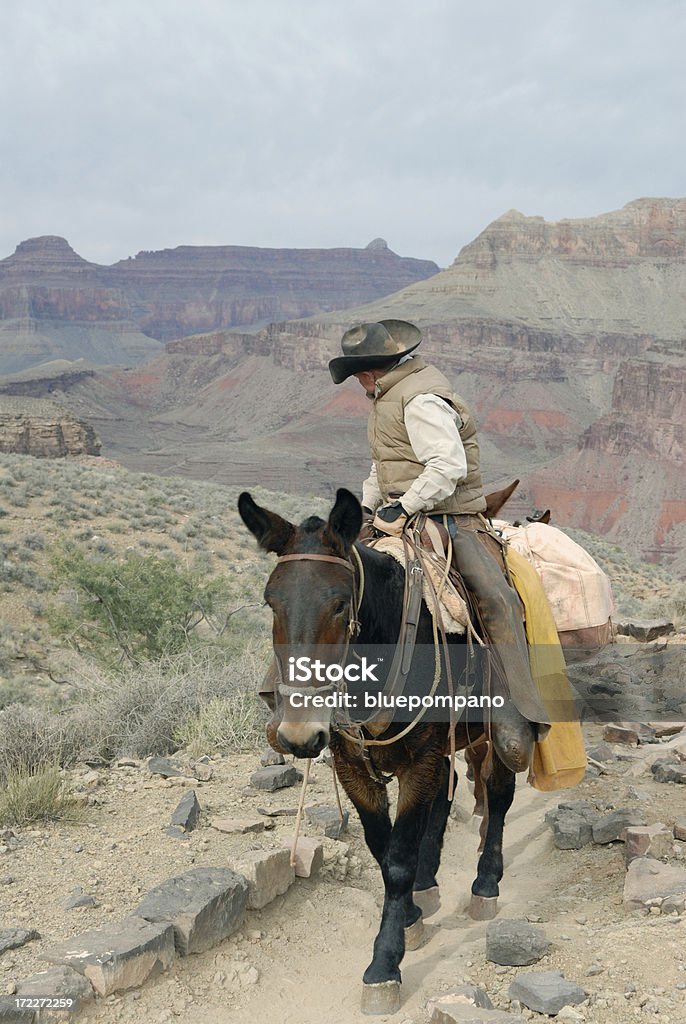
(316, 558)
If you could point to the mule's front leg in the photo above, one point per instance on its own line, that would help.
(399, 867)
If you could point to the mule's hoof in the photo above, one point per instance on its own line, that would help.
(483, 908)
(383, 997)
(414, 935)
(428, 900)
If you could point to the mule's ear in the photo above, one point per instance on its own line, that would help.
(496, 500)
(345, 521)
(272, 532)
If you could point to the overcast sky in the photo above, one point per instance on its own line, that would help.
(145, 124)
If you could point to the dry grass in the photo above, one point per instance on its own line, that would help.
(36, 793)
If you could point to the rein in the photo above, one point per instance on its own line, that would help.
(379, 722)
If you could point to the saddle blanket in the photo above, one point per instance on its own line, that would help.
(453, 609)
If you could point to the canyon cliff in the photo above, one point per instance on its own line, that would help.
(567, 339)
(33, 426)
(54, 304)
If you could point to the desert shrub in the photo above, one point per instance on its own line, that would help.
(158, 707)
(35, 793)
(139, 607)
(225, 724)
(31, 738)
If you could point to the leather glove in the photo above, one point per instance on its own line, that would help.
(367, 529)
(391, 519)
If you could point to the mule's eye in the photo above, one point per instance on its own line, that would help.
(340, 608)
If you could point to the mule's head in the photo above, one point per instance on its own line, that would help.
(312, 601)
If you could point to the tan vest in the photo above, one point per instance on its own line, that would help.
(397, 466)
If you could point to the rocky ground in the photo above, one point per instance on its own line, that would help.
(300, 959)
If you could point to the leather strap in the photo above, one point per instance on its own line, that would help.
(316, 558)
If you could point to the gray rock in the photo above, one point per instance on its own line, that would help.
(645, 630)
(669, 771)
(79, 898)
(163, 766)
(546, 991)
(271, 757)
(204, 905)
(648, 880)
(602, 752)
(117, 956)
(62, 982)
(176, 832)
(572, 824)
(610, 827)
(10, 1013)
(187, 811)
(515, 943)
(273, 777)
(13, 938)
(673, 903)
(327, 821)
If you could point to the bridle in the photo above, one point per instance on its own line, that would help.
(358, 587)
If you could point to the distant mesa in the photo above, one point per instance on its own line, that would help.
(44, 248)
(56, 305)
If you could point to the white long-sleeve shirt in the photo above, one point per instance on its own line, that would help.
(433, 431)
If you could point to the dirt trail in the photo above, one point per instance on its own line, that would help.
(300, 960)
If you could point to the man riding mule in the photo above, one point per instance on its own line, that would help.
(425, 458)
(327, 591)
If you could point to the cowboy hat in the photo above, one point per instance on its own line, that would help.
(374, 347)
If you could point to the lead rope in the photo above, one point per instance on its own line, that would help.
(353, 629)
(336, 791)
(299, 814)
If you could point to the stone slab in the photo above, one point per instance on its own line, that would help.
(61, 982)
(240, 826)
(649, 880)
(268, 873)
(13, 938)
(187, 812)
(276, 776)
(204, 905)
(309, 856)
(546, 991)
(117, 956)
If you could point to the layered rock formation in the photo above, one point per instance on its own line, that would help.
(54, 304)
(30, 426)
(193, 289)
(567, 339)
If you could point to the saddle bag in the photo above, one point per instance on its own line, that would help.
(578, 591)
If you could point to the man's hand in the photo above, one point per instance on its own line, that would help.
(391, 519)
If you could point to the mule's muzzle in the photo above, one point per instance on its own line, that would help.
(302, 746)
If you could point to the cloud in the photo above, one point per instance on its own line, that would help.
(143, 125)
